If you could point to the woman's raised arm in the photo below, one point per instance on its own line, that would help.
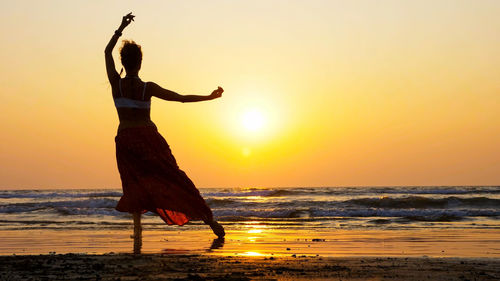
(108, 52)
(165, 94)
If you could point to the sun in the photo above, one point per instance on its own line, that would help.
(253, 120)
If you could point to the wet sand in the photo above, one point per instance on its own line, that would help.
(260, 240)
(209, 267)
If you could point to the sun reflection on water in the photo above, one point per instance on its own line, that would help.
(255, 198)
(252, 254)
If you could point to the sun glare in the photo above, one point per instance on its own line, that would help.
(253, 120)
(252, 254)
(246, 151)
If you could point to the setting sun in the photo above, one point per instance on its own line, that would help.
(253, 120)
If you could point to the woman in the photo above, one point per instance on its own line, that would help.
(151, 179)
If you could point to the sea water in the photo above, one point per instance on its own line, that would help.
(311, 208)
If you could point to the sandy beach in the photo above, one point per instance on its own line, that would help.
(203, 267)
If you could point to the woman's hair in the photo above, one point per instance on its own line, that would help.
(131, 55)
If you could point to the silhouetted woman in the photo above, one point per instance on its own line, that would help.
(151, 179)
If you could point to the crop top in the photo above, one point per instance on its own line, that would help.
(122, 101)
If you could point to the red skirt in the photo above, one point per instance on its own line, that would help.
(152, 181)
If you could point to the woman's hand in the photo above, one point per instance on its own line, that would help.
(217, 93)
(126, 20)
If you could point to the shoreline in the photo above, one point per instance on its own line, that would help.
(211, 267)
(260, 240)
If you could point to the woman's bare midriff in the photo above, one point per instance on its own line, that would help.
(134, 117)
(124, 124)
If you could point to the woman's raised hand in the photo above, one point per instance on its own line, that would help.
(217, 93)
(126, 20)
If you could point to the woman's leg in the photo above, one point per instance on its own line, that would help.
(217, 228)
(137, 233)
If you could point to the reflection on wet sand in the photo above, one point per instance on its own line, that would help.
(258, 239)
(216, 244)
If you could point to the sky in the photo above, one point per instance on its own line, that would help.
(317, 93)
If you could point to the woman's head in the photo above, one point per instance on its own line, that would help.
(131, 56)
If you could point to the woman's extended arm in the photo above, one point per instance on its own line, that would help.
(108, 52)
(165, 94)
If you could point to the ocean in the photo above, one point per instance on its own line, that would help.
(451, 221)
(312, 208)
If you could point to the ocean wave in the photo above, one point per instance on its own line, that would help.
(57, 194)
(90, 204)
(371, 205)
(353, 191)
(385, 202)
(266, 192)
(244, 193)
(430, 215)
(438, 190)
(425, 202)
(101, 205)
(218, 202)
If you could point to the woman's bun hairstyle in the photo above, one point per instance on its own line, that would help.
(131, 55)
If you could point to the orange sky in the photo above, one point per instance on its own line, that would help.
(348, 92)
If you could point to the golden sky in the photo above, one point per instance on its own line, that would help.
(317, 93)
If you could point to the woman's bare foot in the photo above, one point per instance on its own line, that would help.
(217, 228)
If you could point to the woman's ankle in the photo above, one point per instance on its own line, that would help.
(210, 222)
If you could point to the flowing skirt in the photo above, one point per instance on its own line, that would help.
(152, 181)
